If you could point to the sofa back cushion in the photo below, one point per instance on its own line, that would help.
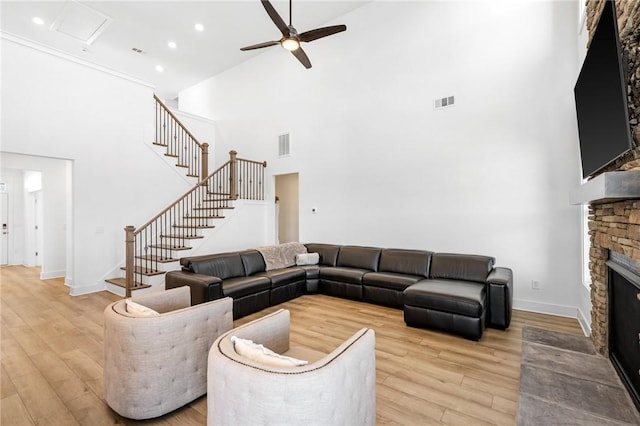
(466, 267)
(410, 262)
(359, 257)
(252, 261)
(328, 253)
(223, 265)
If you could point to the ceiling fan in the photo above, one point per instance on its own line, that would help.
(290, 38)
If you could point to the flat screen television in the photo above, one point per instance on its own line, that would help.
(601, 98)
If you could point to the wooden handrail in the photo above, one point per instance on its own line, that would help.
(186, 194)
(262, 163)
(177, 121)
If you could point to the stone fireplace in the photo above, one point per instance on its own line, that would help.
(614, 210)
(614, 223)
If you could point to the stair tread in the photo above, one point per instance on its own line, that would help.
(155, 258)
(147, 272)
(121, 282)
(182, 237)
(182, 165)
(160, 144)
(194, 226)
(204, 217)
(169, 247)
(208, 208)
(171, 155)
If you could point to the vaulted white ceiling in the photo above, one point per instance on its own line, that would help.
(148, 27)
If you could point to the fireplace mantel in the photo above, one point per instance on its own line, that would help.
(608, 187)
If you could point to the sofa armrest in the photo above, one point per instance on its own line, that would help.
(204, 288)
(500, 292)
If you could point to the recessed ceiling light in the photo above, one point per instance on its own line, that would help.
(199, 27)
(159, 68)
(38, 21)
(172, 45)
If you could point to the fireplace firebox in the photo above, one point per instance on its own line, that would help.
(624, 323)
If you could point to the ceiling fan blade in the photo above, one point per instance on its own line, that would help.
(260, 45)
(302, 57)
(321, 32)
(271, 11)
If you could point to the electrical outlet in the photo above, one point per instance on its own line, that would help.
(535, 285)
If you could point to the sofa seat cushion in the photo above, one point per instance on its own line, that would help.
(344, 275)
(244, 286)
(279, 277)
(457, 297)
(390, 280)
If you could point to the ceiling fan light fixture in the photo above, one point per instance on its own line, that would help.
(290, 44)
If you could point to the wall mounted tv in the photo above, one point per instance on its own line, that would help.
(601, 98)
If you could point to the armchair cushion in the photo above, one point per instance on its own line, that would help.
(138, 310)
(263, 355)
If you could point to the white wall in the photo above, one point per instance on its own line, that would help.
(61, 108)
(491, 175)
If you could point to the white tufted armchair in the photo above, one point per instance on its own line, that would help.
(334, 389)
(153, 365)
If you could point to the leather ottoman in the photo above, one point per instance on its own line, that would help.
(449, 305)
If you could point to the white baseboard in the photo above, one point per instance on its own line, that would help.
(52, 274)
(545, 308)
(584, 323)
(86, 289)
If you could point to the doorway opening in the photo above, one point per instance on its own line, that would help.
(287, 208)
(39, 208)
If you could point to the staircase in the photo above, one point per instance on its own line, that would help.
(156, 247)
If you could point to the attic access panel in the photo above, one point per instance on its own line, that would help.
(81, 22)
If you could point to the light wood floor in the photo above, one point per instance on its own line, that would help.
(52, 359)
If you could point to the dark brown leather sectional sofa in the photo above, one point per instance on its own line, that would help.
(452, 292)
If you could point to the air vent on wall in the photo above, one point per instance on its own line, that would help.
(284, 146)
(444, 102)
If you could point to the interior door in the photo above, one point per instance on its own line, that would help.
(288, 208)
(4, 221)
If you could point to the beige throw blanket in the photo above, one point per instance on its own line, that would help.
(282, 255)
